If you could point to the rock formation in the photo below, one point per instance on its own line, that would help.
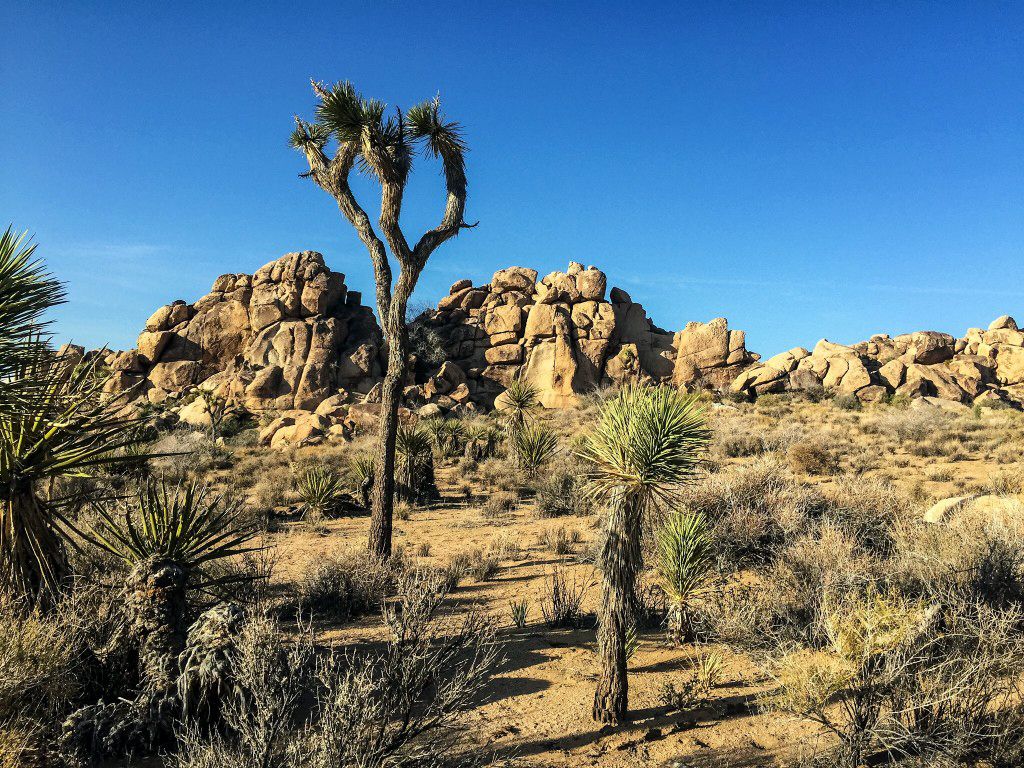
(288, 337)
(293, 341)
(563, 335)
(983, 366)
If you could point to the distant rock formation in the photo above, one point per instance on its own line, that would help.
(983, 366)
(288, 337)
(566, 338)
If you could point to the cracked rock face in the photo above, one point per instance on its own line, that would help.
(287, 337)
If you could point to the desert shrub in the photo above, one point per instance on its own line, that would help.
(483, 564)
(345, 586)
(562, 602)
(753, 508)
(183, 454)
(499, 504)
(846, 402)
(499, 474)
(812, 458)
(972, 559)
(899, 676)
(735, 440)
(908, 425)
(695, 691)
(563, 492)
(426, 345)
(868, 509)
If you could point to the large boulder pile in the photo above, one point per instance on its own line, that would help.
(984, 366)
(564, 335)
(286, 338)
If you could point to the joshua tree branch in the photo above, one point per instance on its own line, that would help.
(455, 207)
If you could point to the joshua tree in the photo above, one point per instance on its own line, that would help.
(384, 148)
(646, 443)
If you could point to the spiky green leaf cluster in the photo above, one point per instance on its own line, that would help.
(346, 115)
(685, 556)
(534, 445)
(320, 489)
(517, 403)
(27, 291)
(413, 443)
(647, 442)
(183, 524)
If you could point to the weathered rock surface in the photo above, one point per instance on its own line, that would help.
(288, 337)
(984, 366)
(564, 336)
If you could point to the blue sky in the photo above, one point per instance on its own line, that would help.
(806, 169)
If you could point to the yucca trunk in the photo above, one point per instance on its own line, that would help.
(158, 613)
(619, 563)
(32, 552)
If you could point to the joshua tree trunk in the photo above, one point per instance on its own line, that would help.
(620, 561)
(383, 491)
(157, 607)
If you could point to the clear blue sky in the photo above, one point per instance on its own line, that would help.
(806, 170)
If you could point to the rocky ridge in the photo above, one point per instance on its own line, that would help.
(984, 366)
(294, 342)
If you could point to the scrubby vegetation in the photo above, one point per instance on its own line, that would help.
(764, 573)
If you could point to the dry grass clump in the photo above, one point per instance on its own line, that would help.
(562, 491)
(345, 586)
(560, 540)
(562, 601)
(812, 458)
(499, 504)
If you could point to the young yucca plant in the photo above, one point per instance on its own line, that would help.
(361, 473)
(647, 442)
(520, 611)
(517, 404)
(320, 490)
(60, 428)
(534, 445)
(170, 538)
(684, 565)
(414, 469)
(481, 442)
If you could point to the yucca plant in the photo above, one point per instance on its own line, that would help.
(414, 469)
(520, 611)
(60, 428)
(517, 404)
(320, 489)
(684, 566)
(534, 445)
(171, 539)
(361, 473)
(646, 444)
(482, 441)
(27, 291)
